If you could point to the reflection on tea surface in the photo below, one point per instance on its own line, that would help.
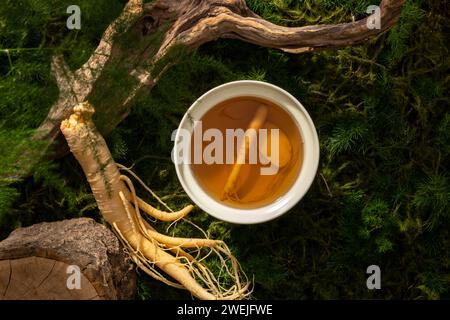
(249, 179)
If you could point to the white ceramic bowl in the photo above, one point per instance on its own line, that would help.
(310, 144)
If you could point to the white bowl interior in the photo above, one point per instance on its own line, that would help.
(310, 144)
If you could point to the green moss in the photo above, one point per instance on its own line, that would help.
(381, 109)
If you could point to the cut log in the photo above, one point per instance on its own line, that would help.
(76, 259)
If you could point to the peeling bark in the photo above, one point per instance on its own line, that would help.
(188, 23)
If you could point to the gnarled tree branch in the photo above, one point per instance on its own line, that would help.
(76, 86)
(233, 19)
(190, 23)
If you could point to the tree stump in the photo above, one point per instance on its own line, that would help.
(75, 259)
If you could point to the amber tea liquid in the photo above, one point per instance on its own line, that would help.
(251, 188)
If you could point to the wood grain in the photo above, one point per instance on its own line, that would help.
(34, 261)
(36, 278)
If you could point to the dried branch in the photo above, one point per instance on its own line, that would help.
(237, 22)
(91, 70)
(75, 87)
(191, 23)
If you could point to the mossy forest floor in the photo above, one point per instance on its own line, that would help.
(382, 192)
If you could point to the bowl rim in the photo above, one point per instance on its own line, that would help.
(307, 171)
